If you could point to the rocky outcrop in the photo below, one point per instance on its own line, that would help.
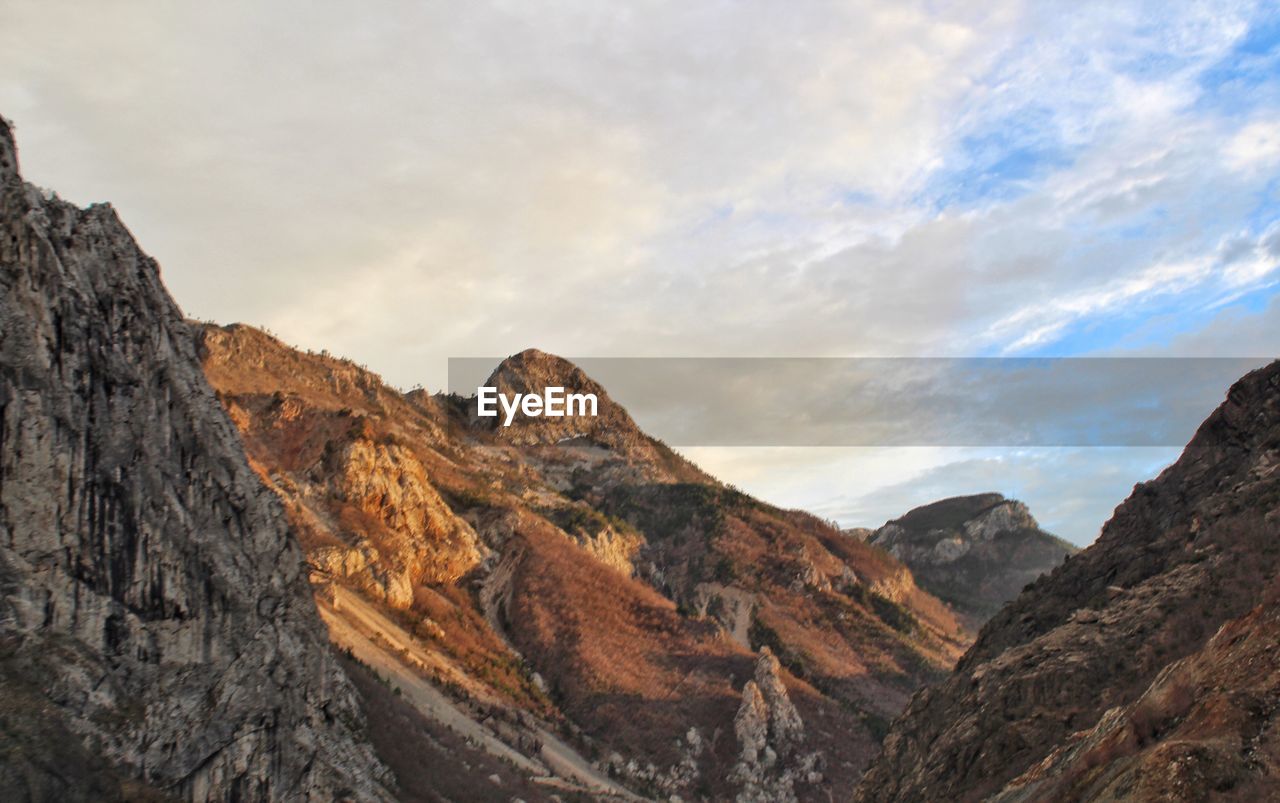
(613, 548)
(785, 728)
(158, 632)
(1083, 677)
(531, 371)
(1207, 723)
(974, 552)
(770, 735)
(346, 455)
(418, 539)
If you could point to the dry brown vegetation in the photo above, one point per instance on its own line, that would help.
(618, 656)
(631, 659)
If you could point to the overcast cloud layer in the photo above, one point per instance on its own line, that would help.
(425, 180)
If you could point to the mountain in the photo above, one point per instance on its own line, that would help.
(1143, 668)
(973, 552)
(1205, 726)
(193, 517)
(598, 605)
(159, 635)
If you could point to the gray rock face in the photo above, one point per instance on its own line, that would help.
(157, 627)
(770, 735)
(974, 552)
(785, 728)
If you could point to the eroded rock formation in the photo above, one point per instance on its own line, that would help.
(771, 736)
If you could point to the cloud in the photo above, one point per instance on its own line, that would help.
(1235, 329)
(1254, 147)
(869, 178)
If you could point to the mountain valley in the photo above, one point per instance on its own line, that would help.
(231, 569)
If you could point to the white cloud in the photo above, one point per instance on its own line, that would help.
(1254, 147)
(1037, 324)
(679, 179)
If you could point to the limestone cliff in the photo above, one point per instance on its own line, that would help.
(771, 736)
(159, 637)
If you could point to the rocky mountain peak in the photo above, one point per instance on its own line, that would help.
(956, 511)
(535, 368)
(8, 152)
(532, 371)
(975, 552)
(407, 502)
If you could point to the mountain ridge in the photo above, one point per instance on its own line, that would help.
(1185, 554)
(615, 571)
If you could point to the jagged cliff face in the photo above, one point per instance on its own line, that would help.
(1106, 677)
(974, 552)
(159, 637)
(635, 590)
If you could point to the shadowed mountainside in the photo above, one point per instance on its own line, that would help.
(1105, 678)
(975, 553)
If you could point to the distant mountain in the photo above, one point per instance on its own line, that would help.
(1145, 667)
(158, 638)
(577, 579)
(973, 552)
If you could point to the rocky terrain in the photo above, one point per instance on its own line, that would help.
(1144, 668)
(1204, 728)
(158, 636)
(581, 581)
(529, 612)
(975, 553)
(232, 570)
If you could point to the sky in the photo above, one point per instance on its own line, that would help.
(402, 183)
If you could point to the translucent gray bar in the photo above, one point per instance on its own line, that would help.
(1122, 401)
